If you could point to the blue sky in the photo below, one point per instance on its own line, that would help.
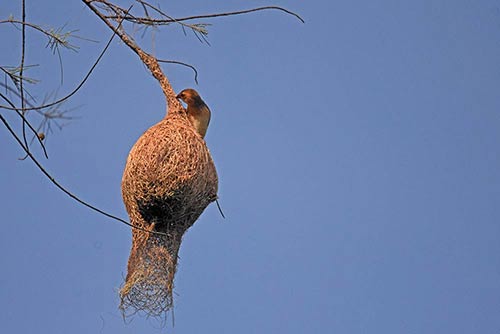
(358, 161)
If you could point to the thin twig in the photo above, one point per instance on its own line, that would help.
(220, 209)
(183, 64)
(21, 83)
(63, 189)
(28, 123)
(187, 18)
(241, 12)
(12, 73)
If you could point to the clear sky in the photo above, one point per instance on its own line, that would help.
(358, 157)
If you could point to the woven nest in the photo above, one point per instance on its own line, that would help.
(169, 179)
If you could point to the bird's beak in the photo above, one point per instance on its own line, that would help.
(178, 96)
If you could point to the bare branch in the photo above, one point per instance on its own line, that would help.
(183, 64)
(147, 20)
(239, 12)
(27, 123)
(23, 51)
(220, 209)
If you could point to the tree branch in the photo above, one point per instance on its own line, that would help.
(21, 71)
(55, 38)
(28, 123)
(183, 64)
(148, 20)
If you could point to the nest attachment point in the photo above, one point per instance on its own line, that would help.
(169, 179)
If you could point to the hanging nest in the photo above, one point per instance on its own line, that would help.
(169, 179)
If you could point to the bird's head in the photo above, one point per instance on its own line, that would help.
(189, 96)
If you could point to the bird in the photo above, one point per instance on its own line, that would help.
(197, 111)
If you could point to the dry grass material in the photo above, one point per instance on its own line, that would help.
(169, 179)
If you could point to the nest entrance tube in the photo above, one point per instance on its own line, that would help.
(168, 181)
